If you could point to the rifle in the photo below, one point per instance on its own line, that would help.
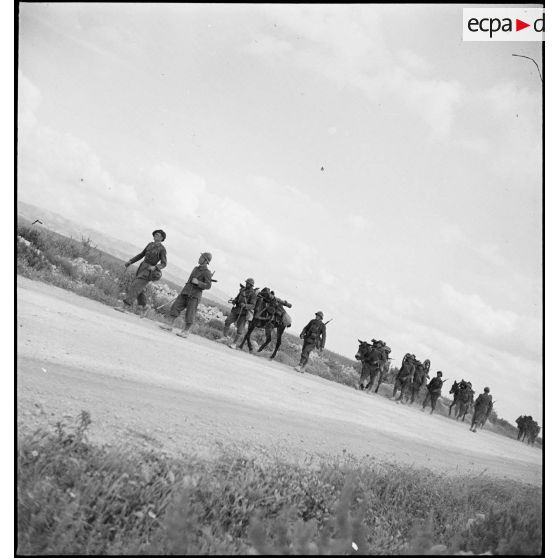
(328, 321)
(168, 302)
(213, 280)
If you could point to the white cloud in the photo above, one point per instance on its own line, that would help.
(478, 315)
(346, 44)
(266, 45)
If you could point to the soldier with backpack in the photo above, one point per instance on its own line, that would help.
(200, 279)
(434, 388)
(483, 408)
(314, 336)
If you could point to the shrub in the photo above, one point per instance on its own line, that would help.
(77, 498)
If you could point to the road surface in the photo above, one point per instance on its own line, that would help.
(149, 388)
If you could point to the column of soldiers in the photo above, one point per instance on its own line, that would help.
(249, 304)
(270, 307)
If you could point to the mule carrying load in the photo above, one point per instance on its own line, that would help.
(269, 314)
(527, 428)
(404, 377)
(375, 362)
(419, 377)
(463, 399)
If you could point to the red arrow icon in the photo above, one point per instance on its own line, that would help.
(519, 25)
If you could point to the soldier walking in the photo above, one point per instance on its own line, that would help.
(242, 311)
(434, 388)
(189, 297)
(483, 407)
(314, 336)
(155, 259)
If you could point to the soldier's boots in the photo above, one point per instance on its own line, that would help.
(185, 333)
(169, 327)
(143, 312)
(123, 307)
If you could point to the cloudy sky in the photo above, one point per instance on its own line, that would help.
(215, 122)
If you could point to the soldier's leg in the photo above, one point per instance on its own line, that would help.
(303, 357)
(190, 315)
(177, 306)
(434, 400)
(473, 422)
(240, 328)
(135, 289)
(426, 400)
(305, 354)
(142, 304)
(231, 319)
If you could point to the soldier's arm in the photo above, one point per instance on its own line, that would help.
(323, 337)
(251, 301)
(138, 257)
(303, 332)
(162, 258)
(205, 281)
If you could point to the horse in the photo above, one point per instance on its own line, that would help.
(269, 314)
(527, 428)
(404, 377)
(532, 432)
(464, 405)
(373, 364)
(419, 378)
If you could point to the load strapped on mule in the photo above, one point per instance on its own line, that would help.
(269, 314)
(375, 362)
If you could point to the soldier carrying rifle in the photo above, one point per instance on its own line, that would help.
(200, 279)
(434, 388)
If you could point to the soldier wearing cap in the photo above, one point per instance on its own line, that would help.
(189, 297)
(242, 311)
(434, 388)
(314, 336)
(155, 259)
(483, 407)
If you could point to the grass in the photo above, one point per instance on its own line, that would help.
(77, 498)
(52, 258)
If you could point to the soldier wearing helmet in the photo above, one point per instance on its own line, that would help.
(483, 408)
(313, 336)
(189, 297)
(242, 311)
(154, 261)
(434, 388)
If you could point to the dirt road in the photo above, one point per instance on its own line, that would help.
(146, 387)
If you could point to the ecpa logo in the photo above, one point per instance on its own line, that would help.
(503, 24)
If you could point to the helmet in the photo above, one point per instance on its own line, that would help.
(250, 281)
(439, 373)
(320, 314)
(207, 256)
(161, 232)
(486, 390)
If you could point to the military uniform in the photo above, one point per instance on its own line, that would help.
(434, 388)
(155, 254)
(191, 294)
(314, 336)
(483, 407)
(242, 311)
